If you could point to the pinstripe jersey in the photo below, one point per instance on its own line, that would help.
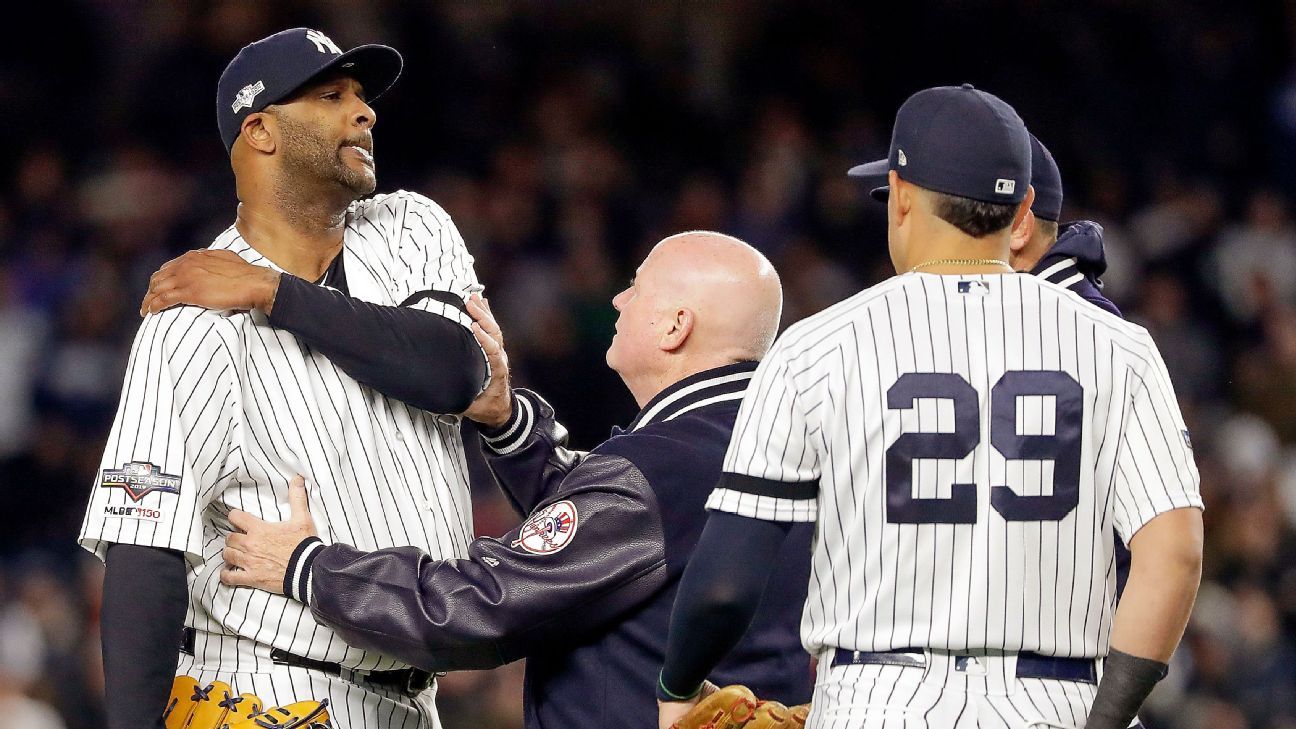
(219, 410)
(967, 445)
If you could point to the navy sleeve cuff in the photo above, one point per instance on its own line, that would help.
(297, 580)
(665, 694)
(287, 307)
(510, 436)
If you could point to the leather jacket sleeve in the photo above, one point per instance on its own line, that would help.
(528, 456)
(586, 556)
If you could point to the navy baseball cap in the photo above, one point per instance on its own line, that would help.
(271, 69)
(1045, 178)
(958, 140)
(1047, 181)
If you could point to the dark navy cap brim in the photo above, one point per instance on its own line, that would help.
(874, 174)
(876, 168)
(376, 67)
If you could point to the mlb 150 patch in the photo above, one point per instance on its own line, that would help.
(139, 479)
(550, 529)
(133, 512)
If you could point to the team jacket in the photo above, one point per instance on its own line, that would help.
(584, 587)
(1076, 261)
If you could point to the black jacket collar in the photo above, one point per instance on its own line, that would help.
(722, 384)
(1079, 248)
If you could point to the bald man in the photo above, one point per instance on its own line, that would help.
(584, 587)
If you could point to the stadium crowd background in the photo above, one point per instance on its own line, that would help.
(567, 137)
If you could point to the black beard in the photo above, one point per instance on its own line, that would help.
(310, 157)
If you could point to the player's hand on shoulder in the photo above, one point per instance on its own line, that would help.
(258, 554)
(213, 279)
(494, 406)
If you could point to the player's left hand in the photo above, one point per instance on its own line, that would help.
(258, 554)
(218, 279)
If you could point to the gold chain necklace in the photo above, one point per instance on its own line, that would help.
(963, 262)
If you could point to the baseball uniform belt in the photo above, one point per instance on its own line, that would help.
(1029, 665)
(410, 681)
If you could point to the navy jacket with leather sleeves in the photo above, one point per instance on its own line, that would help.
(584, 587)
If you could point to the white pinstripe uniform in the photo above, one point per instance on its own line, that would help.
(219, 410)
(966, 444)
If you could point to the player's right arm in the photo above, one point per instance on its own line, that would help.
(418, 348)
(770, 480)
(1158, 513)
(167, 451)
(420, 357)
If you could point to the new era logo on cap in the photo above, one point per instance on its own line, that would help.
(1005, 187)
(901, 159)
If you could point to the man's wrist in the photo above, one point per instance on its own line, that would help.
(498, 428)
(666, 695)
(269, 290)
(502, 424)
(297, 578)
(514, 432)
(1127, 680)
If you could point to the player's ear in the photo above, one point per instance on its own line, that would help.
(1024, 209)
(681, 326)
(901, 198)
(1022, 231)
(258, 132)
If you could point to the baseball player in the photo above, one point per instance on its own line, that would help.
(966, 440)
(583, 588)
(1073, 258)
(1069, 255)
(335, 328)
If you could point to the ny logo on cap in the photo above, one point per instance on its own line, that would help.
(323, 43)
(1005, 187)
(243, 100)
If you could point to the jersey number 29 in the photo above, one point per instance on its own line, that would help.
(1063, 447)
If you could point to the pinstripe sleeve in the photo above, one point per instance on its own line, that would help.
(172, 437)
(433, 268)
(1155, 471)
(771, 470)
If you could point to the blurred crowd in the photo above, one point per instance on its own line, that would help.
(565, 138)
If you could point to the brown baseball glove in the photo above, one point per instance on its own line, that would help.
(728, 708)
(773, 715)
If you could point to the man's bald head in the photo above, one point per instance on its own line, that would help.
(733, 289)
(699, 300)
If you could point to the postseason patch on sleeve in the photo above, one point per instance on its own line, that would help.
(139, 479)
